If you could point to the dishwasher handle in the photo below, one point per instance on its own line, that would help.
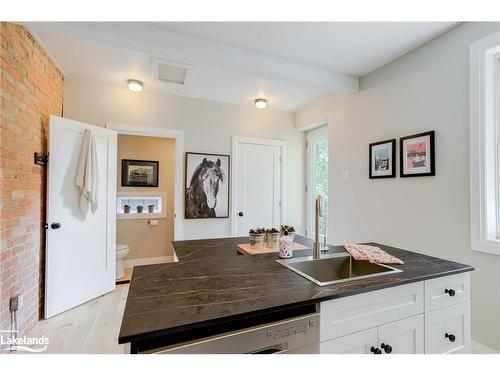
(273, 349)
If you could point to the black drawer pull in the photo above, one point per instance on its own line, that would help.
(387, 348)
(450, 337)
(451, 292)
(375, 350)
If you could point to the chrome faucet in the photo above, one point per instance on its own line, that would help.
(318, 213)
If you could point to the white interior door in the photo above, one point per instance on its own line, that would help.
(80, 256)
(257, 186)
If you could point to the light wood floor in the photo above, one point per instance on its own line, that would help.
(90, 328)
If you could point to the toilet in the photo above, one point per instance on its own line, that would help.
(121, 252)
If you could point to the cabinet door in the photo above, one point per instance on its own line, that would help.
(404, 336)
(448, 330)
(355, 343)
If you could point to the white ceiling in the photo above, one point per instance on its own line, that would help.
(354, 48)
(290, 63)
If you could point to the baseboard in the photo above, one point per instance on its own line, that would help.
(478, 348)
(129, 263)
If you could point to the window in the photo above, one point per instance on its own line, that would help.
(317, 178)
(485, 144)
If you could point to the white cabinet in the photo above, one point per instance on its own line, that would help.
(404, 336)
(342, 316)
(446, 291)
(448, 330)
(355, 343)
(423, 317)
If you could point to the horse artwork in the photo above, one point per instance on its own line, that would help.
(207, 186)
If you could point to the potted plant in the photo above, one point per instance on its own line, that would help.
(290, 229)
(151, 208)
(126, 209)
(257, 237)
(273, 238)
(139, 209)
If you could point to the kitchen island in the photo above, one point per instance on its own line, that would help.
(213, 289)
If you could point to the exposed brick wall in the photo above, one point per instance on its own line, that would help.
(31, 90)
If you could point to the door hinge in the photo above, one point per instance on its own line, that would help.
(306, 188)
(280, 159)
(307, 144)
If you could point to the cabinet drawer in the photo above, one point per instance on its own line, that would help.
(355, 343)
(342, 316)
(446, 291)
(441, 324)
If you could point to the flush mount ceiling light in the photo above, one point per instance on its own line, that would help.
(134, 85)
(261, 103)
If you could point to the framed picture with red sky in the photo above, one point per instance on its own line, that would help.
(417, 156)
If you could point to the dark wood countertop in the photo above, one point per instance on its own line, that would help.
(212, 284)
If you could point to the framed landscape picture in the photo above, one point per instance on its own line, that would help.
(207, 186)
(417, 155)
(140, 173)
(382, 156)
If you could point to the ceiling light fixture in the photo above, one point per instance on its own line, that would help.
(134, 85)
(261, 103)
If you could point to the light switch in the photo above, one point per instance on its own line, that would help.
(347, 175)
(153, 222)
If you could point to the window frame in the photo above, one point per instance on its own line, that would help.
(484, 145)
(311, 135)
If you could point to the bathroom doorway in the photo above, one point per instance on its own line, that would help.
(148, 191)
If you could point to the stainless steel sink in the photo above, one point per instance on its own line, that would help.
(335, 268)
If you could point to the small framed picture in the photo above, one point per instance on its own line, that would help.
(141, 173)
(382, 159)
(417, 155)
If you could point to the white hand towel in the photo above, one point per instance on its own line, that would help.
(87, 173)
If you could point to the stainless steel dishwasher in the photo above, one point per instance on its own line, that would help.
(294, 335)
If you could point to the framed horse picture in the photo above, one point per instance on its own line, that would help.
(207, 186)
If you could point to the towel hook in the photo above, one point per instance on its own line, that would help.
(41, 158)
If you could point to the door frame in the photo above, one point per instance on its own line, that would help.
(178, 135)
(310, 136)
(236, 142)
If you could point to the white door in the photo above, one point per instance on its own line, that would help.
(404, 336)
(80, 257)
(257, 180)
(356, 343)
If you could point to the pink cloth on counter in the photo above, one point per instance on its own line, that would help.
(371, 253)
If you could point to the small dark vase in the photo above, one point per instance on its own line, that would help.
(139, 209)
(126, 209)
(151, 208)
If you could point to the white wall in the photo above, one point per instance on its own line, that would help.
(427, 89)
(208, 127)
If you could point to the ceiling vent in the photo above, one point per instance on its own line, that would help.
(171, 71)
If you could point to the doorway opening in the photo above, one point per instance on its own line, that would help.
(147, 196)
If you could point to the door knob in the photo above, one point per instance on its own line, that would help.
(375, 350)
(240, 214)
(55, 225)
(387, 348)
(451, 292)
(450, 337)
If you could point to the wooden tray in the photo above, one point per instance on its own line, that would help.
(245, 249)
